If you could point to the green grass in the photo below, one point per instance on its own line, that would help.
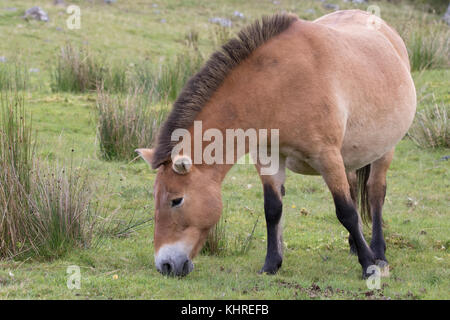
(416, 210)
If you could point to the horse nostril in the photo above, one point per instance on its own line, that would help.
(186, 267)
(166, 269)
(177, 266)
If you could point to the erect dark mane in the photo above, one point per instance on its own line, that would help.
(201, 86)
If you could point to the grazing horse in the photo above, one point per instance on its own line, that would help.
(339, 90)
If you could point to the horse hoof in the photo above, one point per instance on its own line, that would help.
(384, 267)
(270, 269)
(379, 269)
(271, 265)
(366, 275)
(271, 273)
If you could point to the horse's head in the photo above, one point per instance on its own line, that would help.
(187, 205)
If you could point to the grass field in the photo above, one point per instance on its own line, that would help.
(317, 262)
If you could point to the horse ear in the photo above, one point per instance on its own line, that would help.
(146, 154)
(182, 164)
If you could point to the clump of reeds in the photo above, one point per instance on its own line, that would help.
(13, 76)
(44, 210)
(80, 70)
(428, 49)
(431, 127)
(126, 123)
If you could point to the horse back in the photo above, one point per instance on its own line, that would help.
(338, 83)
(357, 21)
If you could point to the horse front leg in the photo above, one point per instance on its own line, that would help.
(273, 207)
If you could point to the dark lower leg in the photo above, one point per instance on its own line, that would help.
(376, 189)
(377, 244)
(348, 216)
(352, 245)
(273, 211)
(353, 183)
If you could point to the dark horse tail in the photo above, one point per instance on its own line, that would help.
(364, 209)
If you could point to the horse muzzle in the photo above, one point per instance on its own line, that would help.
(172, 260)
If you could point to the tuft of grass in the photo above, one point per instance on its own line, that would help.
(116, 78)
(144, 77)
(44, 212)
(173, 75)
(166, 81)
(431, 127)
(79, 70)
(126, 123)
(220, 35)
(76, 71)
(13, 76)
(217, 241)
(16, 149)
(427, 41)
(428, 50)
(62, 211)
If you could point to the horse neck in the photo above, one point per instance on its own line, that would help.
(222, 113)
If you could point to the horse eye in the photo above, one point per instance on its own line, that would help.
(176, 202)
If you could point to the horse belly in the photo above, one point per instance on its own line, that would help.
(296, 161)
(377, 133)
(299, 166)
(356, 156)
(379, 109)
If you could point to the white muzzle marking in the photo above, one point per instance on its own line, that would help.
(173, 259)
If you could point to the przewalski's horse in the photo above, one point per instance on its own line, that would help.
(339, 90)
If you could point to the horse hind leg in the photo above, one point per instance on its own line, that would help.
(331, 166)
(376, 192)
(352, 179)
